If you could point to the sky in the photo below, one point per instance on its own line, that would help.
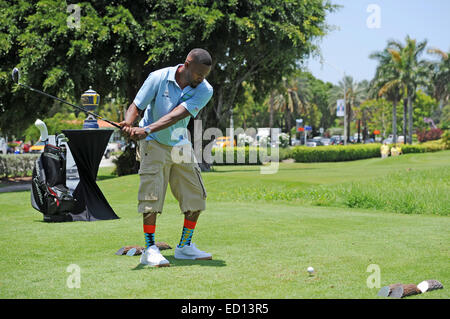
(365, 26)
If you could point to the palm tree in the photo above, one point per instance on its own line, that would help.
(441, 77)
(277, 102)
(292, 98)
(361, 112)
(410, 72)
(387, 84)
(355, 94)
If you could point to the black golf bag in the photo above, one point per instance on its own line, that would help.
(49, 193)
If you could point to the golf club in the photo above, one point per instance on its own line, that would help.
(43, 130)
(16, 76)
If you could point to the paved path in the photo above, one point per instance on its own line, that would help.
(16, 188)
(26, 186)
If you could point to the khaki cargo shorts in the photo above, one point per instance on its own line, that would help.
(159, 166)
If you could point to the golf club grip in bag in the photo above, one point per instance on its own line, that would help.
(49, 193)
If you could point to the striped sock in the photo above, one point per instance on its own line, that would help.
(186, 235)
(149, 234)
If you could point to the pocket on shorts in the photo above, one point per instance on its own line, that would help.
(150, 183)
(200, 180)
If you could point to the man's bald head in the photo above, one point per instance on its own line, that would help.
(200, 56)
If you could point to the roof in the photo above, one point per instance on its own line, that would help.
(104, 124)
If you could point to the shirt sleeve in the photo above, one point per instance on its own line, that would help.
(198, 100)
(148, 91)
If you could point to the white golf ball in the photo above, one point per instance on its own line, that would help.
(310, 270)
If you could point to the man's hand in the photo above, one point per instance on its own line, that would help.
(130, 116)
(138, 133)
(126, 127)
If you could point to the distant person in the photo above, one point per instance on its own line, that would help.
(384, 150)
(395, 150)
(26, 148)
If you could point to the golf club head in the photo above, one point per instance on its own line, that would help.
(15, 75)
(43, 129)
(61, 138)
(384, 291)
(120, 251)
(397, 292)
(131, 252)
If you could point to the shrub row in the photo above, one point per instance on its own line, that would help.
(431, 146)
(13, 165)
(303, 154)
(245, 155)
(335, 153)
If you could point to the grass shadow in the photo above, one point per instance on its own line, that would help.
(185, 262)
(255, 170)
(105, 177)
(7, 189)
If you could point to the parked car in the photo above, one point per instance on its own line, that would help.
(223, 141)
(313, 143)
(110, 148)
(72, 173)
(337, 140)
(390, 139)
(38, 147)
(3, 146)
(322, 140)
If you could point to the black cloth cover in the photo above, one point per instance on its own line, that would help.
(87, 147)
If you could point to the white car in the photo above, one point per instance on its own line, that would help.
(109, 149)
(3, 146)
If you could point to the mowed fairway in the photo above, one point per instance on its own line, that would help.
(261, 244)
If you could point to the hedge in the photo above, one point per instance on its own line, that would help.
(337, 153)
(431, 146)
(331, 153)
(245, 155)
(17, 165)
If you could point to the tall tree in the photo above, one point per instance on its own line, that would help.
(355, 93)
(118, 43)
(412, 72)
(386, 84)
(441, 77)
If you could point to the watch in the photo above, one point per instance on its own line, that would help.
(148, 130)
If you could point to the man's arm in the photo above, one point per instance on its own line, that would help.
(177, 114)
(130, 116)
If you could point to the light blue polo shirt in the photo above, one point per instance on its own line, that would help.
(160, 94)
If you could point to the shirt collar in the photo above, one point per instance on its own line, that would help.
(172, 72)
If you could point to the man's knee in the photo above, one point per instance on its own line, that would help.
(192, 214)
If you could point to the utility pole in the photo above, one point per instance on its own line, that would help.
(345, 99)
(345, 112)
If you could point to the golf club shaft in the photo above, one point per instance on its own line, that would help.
(68, 103)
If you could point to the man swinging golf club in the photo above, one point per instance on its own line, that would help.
(168, 97)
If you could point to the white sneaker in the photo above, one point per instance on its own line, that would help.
(153, 258)
(191, 252)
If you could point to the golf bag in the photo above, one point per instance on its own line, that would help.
(49, 193)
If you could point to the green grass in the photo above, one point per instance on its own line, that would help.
(261, 242)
